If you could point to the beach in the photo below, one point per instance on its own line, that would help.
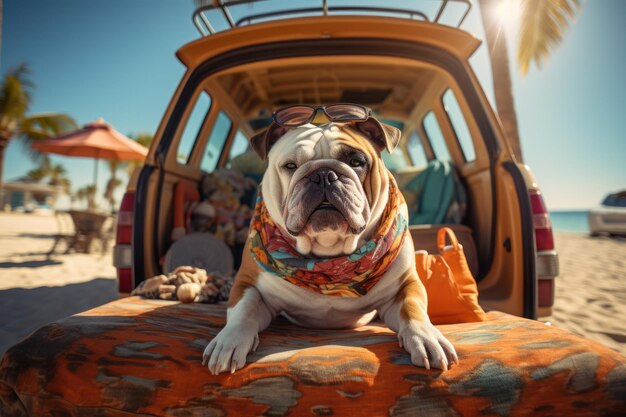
(36, 289)
(590, 294)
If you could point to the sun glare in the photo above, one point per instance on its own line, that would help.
(509, 11)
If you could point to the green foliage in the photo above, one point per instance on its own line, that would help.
(113, 183)
(542, 27)
(15, 98)
(56, 174)
(144, 139)
(88, 192)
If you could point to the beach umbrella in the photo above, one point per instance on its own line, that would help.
(94, 140)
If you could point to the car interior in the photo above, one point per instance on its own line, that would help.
(440, 165)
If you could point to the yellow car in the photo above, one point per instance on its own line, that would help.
(412, 74)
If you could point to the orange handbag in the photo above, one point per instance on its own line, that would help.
(450, 286)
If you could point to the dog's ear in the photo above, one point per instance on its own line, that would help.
(263, 142)
(381, 135)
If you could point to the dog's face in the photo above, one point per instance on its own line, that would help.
(326, 186)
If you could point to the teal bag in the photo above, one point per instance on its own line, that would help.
(441, 196)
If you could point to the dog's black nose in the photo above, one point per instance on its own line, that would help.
(323, 175)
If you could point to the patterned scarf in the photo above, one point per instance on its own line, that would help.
(343, 276)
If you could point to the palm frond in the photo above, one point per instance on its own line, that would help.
(26, 138)
(36, 174)
(15, 96)
(54, 123)
(57, 171)
(65, 183)
(40, 127)
(542, 27)
(62, 182)
(144, 139)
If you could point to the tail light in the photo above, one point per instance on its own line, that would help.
(541, 222)
(122, 253)
(547, 258)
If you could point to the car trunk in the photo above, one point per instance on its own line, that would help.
(403, 82)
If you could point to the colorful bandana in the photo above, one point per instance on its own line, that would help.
(342, 276)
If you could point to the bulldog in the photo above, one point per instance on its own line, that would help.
(329, 245)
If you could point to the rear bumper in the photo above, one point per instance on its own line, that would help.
(547, 265)
(547, 268)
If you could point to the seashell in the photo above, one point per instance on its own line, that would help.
(188, 292)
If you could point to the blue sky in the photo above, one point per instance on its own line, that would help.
(115, 59)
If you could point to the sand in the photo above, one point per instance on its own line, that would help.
(591, 289)
(35, 289)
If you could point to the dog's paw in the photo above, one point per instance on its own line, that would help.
(229, 349)
(427, 346)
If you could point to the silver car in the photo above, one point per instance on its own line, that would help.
(610, 217)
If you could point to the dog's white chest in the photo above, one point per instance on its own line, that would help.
(310, 309)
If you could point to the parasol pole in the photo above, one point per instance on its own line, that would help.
(95, 179)
(95, 174)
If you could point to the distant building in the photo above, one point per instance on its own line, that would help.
(25, 194)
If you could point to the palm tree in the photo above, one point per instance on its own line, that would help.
(144, 139)
(58, 176)
(87, 192)
(113, 183)
(15, 99)
(542, 25)
(41, 172)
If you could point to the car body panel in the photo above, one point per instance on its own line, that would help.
(605, 219)
(499, 204)
(455, 41)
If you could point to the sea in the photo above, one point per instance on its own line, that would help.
(570, 221)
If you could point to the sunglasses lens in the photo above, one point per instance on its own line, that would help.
(346, 112)
(294, 116)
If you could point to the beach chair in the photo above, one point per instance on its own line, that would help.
(89, 227)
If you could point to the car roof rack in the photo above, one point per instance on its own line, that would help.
(221, 15)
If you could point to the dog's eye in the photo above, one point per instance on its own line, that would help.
(355, 162)
(290, 166)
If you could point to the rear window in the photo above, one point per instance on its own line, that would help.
(437, 141)
(416, 151)
(459, 125)
(615, 200)
(394, 161)
(215, 144)
(192, 128)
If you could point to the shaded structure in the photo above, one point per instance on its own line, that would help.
(28, 195)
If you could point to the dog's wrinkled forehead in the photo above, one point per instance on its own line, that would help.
(307, 138)
(316, 142)
(379, 135)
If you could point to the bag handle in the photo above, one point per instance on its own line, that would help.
(441, 238)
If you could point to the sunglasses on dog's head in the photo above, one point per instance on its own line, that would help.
(299, 114)
(359, 117)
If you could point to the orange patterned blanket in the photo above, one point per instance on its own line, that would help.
(142, 357)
